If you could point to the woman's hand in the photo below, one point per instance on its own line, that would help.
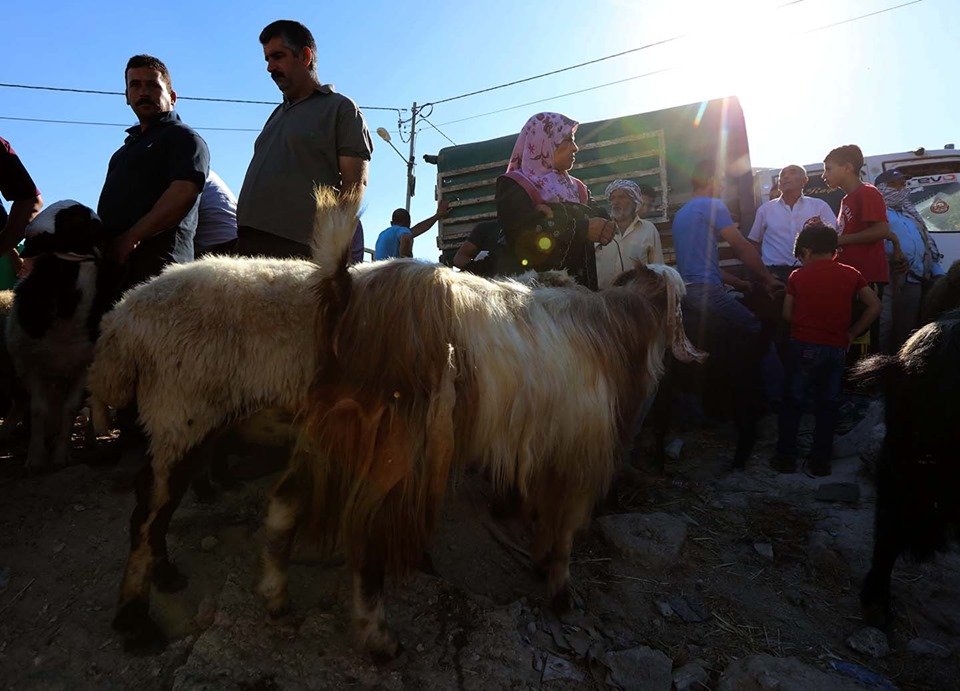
(601, 230)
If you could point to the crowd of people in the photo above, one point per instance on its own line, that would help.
(828, 277)
(825, 279)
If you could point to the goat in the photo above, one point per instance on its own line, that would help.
(429, 371)
(198, 348)
(942, 296)
(53, 325)
(918, 477)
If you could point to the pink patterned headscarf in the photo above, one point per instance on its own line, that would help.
(532, 157)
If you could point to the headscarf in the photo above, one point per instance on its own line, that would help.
(628, 186)
(899, 200)
(532, 157)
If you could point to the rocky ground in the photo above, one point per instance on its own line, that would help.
(696, 579)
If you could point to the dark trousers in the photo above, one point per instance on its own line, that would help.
(718, 323)
(816, 368)
(257, 243)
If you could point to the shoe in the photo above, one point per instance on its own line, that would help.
(783, 464)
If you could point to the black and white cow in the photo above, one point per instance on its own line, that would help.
(54, 321)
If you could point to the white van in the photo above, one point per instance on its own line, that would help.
(933, 178)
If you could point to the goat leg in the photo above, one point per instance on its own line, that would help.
(283, 513)
(369, 623)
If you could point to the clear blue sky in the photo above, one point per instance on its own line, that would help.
(884, 82)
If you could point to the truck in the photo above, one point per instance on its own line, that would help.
(933, 178)
(659, 149)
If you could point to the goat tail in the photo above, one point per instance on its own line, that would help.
(112, 377)
(381, 472)
(334, 225)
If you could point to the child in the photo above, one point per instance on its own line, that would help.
(817, 307)
(862, 223)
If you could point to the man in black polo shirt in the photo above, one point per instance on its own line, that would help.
(149, 200)
(315, 137)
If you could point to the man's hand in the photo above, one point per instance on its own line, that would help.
(772, 285)
(122, 247)
(601, 230)
(898, 262)
(443, 208)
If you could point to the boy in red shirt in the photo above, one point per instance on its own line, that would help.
(818, 305)
(862, 223)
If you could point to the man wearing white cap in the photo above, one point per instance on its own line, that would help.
(636, 239)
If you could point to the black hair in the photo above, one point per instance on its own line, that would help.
(703, 173)
(401, 217)
(151, 62)
(647, 191)
(817, 238)
(848, 153)
(295, 36)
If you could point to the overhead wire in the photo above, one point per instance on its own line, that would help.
(208, 99)
(646, 74)
(125, 125)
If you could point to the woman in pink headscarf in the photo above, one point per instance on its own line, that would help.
(543, 210)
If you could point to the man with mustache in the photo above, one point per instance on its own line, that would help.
(315, 137)
(149, 199)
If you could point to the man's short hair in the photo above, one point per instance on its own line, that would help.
(401, 217)
(848, 153)
(817, 238)
(152, 63)
(703, 173)
(295, 36)
(648, 191)
(793, 166)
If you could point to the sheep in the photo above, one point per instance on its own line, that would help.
(429, 371)
(918, 477)
(943, 295)
(200, 347)
(52, 326)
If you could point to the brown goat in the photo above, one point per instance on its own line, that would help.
(430, 371)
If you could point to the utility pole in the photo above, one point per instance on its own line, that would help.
(412, 161)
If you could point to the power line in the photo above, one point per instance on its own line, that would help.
(584, 64)
(207, 99)
(648, 74)
(558, 71)
(569, 93)
(125, 125)
(438, 130)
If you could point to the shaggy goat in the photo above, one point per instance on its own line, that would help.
(918, 476)
(199, 347)
(53, 325)
(430, 370)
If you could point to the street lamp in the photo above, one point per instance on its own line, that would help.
(385, 136)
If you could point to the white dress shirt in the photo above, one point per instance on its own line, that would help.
(777, 226)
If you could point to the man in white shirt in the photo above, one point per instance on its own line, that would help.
(636, 239)
(780, 220)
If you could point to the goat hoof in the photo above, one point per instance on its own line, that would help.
(140, 633)
(168, 578)
(385, 651)
(561, 602)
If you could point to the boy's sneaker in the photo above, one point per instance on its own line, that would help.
(783, 464)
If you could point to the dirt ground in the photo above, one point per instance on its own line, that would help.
(740, 564)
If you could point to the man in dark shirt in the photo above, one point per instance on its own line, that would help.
(315, 137)
(149, 200)
(18, 187)
(477, 254)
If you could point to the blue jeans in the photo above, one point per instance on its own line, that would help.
(819, 368)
